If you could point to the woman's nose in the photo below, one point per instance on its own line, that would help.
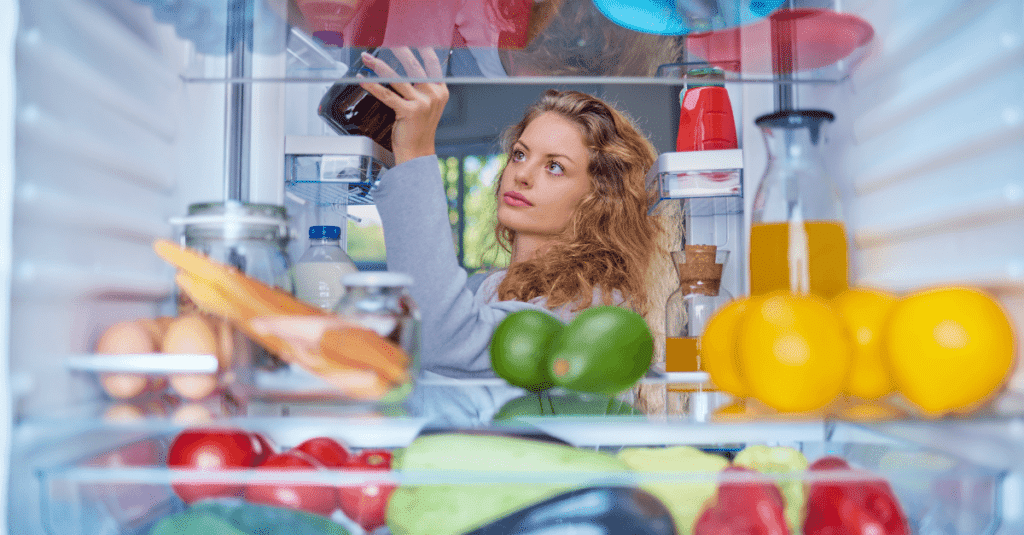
(521, 176)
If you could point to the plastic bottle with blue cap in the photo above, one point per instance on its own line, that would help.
(319, 271)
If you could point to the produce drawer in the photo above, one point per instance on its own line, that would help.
(128, 489)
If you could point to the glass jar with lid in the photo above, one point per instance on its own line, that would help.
(252, 238)
(380, 301)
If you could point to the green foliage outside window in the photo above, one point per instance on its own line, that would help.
(478, 248)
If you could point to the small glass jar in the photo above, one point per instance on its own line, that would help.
(380, 301)
(687, 312)
(690, 307)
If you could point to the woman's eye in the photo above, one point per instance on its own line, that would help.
(556, 168)
(518, 156)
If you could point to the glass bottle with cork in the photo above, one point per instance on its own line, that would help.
(797, 237)
(690, 307)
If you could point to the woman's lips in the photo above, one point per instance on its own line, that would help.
(515, 199)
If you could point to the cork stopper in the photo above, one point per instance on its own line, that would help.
(699, 273)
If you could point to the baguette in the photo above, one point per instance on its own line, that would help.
(349, 356)
(336, 343)
(263, 299)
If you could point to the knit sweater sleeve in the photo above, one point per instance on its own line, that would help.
(455, 327)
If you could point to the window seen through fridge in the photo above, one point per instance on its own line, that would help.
(514, 266)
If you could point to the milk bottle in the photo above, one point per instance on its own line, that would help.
(319, 271)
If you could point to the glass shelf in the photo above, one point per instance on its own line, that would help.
(528, 42)
(334, 170)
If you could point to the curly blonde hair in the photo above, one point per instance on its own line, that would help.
(610, 240)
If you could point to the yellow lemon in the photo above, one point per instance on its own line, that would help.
(793, 353)
(864, 312)
(718, 347)
(949, 349)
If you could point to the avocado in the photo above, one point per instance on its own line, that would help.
(519, 348)
(567, 404)
(604, 350)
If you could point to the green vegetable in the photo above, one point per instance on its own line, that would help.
(242, 518)
(519, 348)
(780, 460)
(568, 404)
(685, 500)
(440, 509)
(605, 350)
(194, 523)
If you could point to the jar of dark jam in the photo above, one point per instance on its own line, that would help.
(350, 110)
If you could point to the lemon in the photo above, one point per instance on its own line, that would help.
(717, 347)
(793, 353)
(949, 349)
(864, 312)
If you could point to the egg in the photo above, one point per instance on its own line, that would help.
(125, 338)
(192, 414)
(191, 335)
(123, 413)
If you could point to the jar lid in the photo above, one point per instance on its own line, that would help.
(219, 214)
(795, 119)
(376, 278)
(318, 232)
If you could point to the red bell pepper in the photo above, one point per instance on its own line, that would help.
(744, 508)
(864, 506)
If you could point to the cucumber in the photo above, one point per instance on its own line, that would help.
(217, 517)
(452, 509)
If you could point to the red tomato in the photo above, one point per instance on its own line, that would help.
(212, 449)
(367, 505)
(266, 448)
(370, 460)
(328, 451)
(312, 498)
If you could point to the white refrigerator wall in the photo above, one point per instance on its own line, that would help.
(8, 25)
(932, 151)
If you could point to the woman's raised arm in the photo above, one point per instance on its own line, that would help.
(418, 106)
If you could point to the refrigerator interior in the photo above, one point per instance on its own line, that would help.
(124, 112)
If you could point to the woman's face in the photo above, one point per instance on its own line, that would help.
(545, 179)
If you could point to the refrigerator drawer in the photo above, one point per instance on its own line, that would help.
(128, 489)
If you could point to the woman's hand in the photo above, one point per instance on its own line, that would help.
(418, 107)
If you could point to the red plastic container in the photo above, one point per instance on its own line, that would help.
(706, 120)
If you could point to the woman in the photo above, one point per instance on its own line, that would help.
(572, 213)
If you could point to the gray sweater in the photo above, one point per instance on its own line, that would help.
(458, 314)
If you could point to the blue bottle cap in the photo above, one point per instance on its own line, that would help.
(320, 232)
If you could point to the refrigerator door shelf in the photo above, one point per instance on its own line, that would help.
(334, 170)
(707, 173)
